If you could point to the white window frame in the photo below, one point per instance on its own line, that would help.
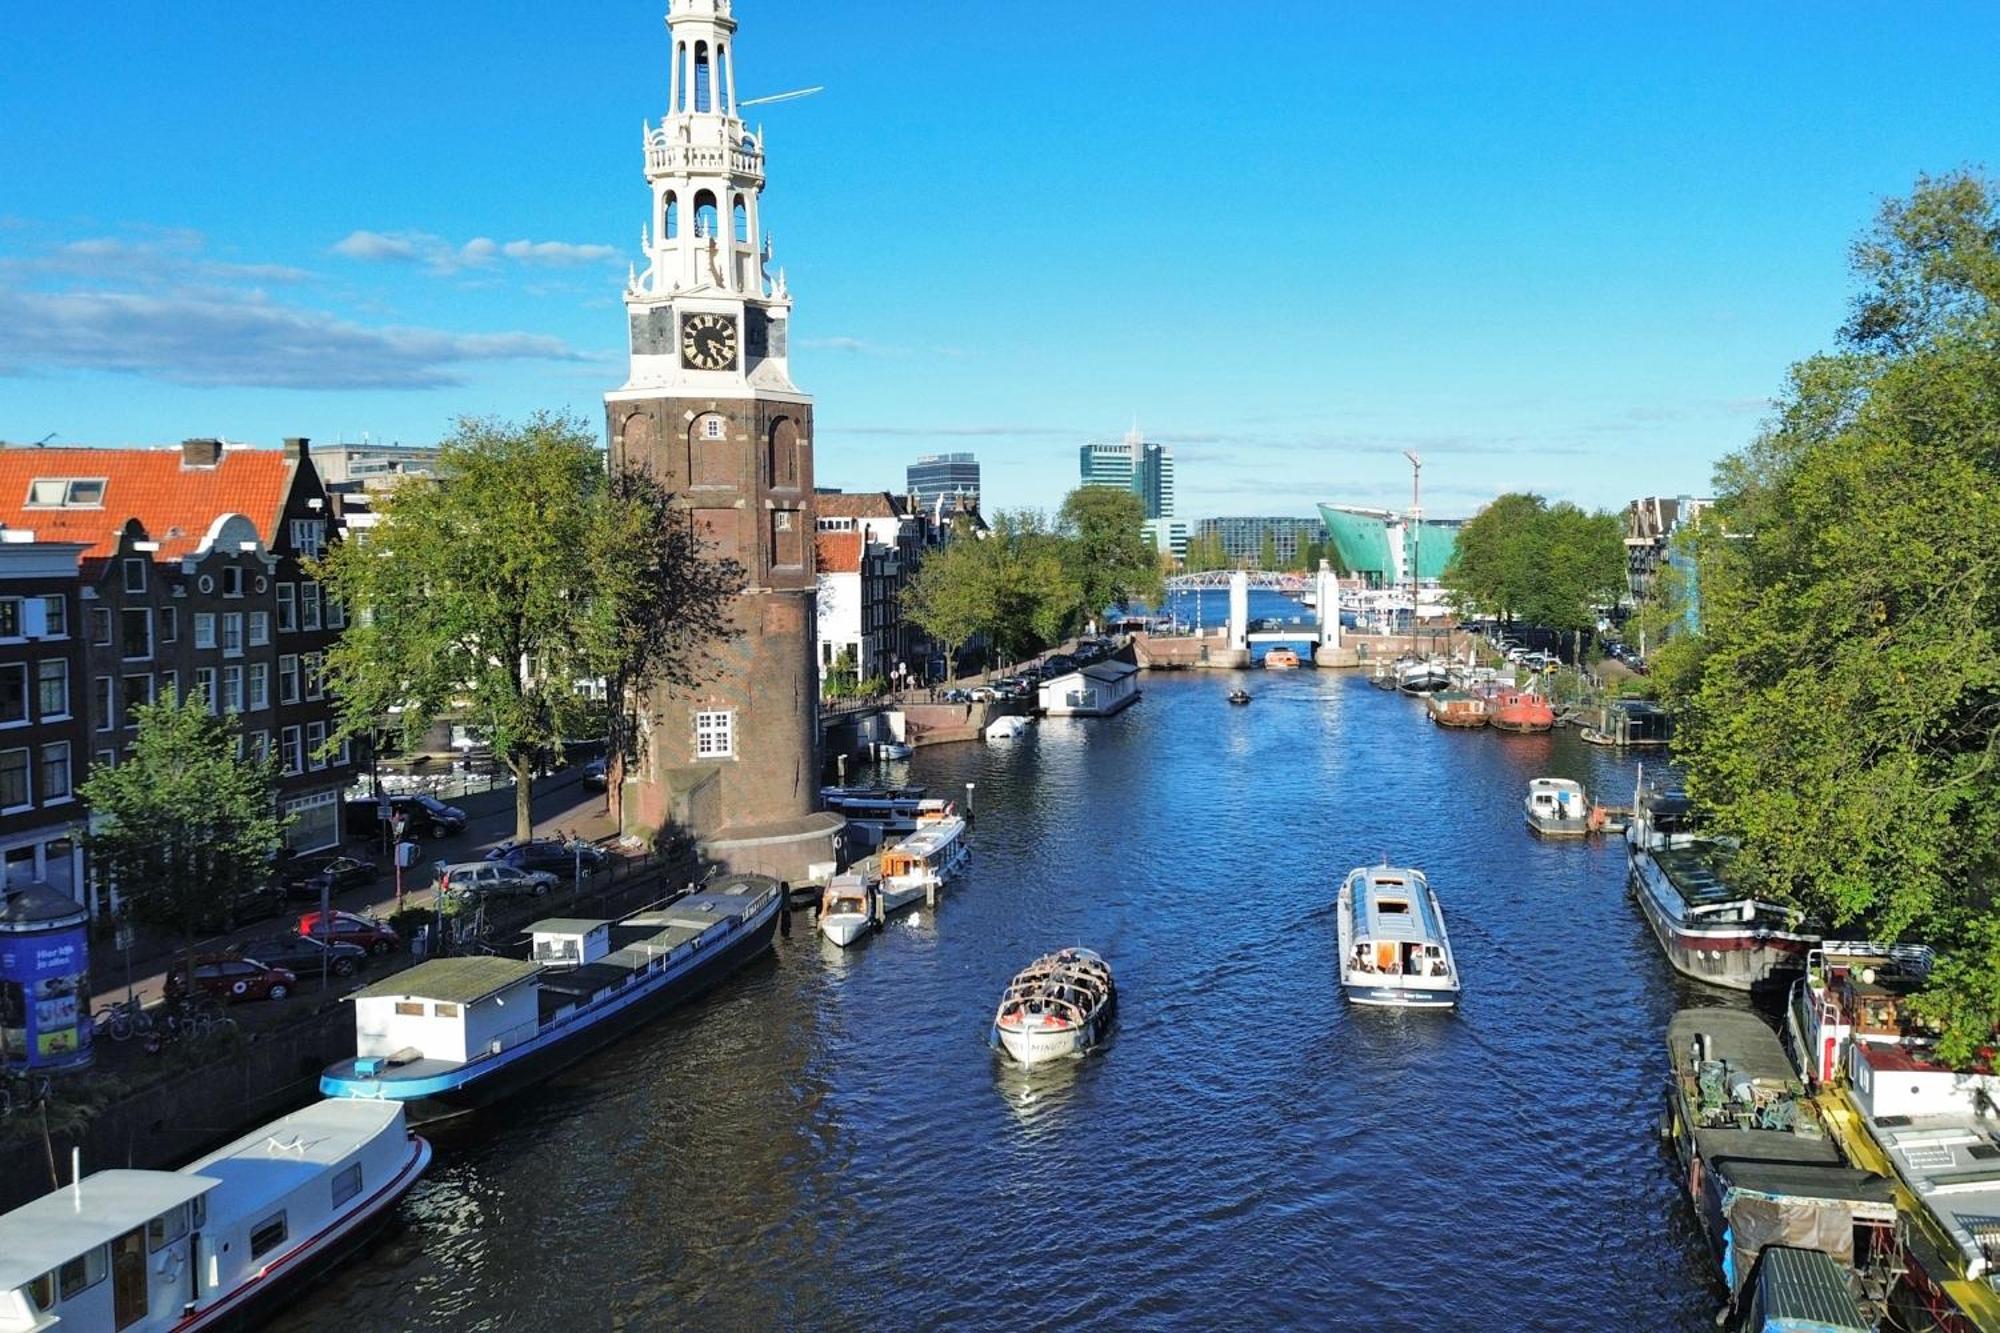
(20, 617)
(309, 536)
(27, 754)
(232, 580)
(62, 665)
(50, 796)
(259, 687)
(107, 703)
(123, 646)
(204, 629)
(130, 566)
(291, 745)
(309, 606)
(288, 607)
(315, 745)
(29, 695)
(314, 666)
(715, 734)
(288, 678)
(259, 630)
(55, 616)
(232, 689)
(170, 624)
(232, 634)
(205, 685)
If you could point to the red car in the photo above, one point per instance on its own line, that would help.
(377, 937)
(233, 979)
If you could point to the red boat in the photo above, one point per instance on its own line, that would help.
(1521, 710)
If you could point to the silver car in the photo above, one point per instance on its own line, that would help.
(474, 881)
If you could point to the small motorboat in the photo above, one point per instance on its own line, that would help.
(847, 906)
(1006, 728)
(1394, 951)
(1558, 808)
(1281, 659)
(892, 749)
(1239, 696)
(1058, 1005)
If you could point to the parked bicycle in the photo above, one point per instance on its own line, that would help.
(23, 1092)
(121, 1021)
(196, 1020)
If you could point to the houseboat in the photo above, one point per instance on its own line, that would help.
(1851, 991)
(919, 865)
(1798, 1291)
(1456, 708)
(878, 814)
(848, 905)
(1393, 948)
(1421, 676)
(1061, 1004)
(1708, 930)
(221, 1243)
(1558, 808)
(1631, 724)
(1756, 1161)
(1097, 690)
(453, 1034)
(1522, 711)
(1281, 659)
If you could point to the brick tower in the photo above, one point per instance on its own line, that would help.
(710, 408)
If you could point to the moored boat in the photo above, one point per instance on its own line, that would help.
(1394, 951)
(1558, 808)
(1631, 724)
(921, 864)
(1059, 1005)
(877, 814)
(1755, 1159)
(847, 905)
(1456, 708)
(1708, 929)
(1421, 675)
(223, 1242)
(1522, 711)
(453, 1034)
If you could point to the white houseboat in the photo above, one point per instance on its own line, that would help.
(918, 866)
(1098, 690)
(1557, 808)
(222, 1242)
(1061, 1004)
(1393, 947)
(1708, 929)
(848, 904)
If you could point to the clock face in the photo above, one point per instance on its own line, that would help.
(708, 342)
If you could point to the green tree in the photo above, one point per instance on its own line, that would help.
(1105, 549)
(1841, 705)
(1491, 568)
(182, 827)
(1267, 551)
(950, 597)
(1038, 596)
(505, 584)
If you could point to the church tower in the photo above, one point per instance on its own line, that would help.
(710, 409)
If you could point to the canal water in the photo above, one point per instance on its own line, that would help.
(826, 1140)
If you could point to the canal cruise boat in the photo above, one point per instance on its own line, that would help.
(223, 1242)
(1394, 951)
(1708, 929)
(1934, 1130)
(1756, 1161)
(921, 864)
(453, 1034)
(1059, 1005)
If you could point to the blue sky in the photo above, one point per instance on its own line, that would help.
(1570, 248)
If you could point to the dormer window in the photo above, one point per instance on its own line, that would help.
(66, 493)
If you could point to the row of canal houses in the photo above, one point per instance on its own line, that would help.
(131, 574)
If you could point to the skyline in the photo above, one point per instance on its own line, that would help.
(1567, 252)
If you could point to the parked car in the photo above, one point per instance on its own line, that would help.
(377, 937)
(256, 905)
(474, 881)
(301, 955)
(551, 855)
(303, 876)
(422, 812)
(233, 979)
(1060, 664)
(597, 773)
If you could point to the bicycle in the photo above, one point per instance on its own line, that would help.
(121, 1021)
(24, 1092)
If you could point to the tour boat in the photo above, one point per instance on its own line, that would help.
(1393, 948)
(1239, 696)
(1060, 1004)
(1421, 676)
(1558, 808)
(221, 1243)
(1456, 708)
(1754, 1156)
(1281, 659)
(880, 813)
(847, 905)
(453, 1034)
(1708, 930)
(919, 865)
(1523, 711)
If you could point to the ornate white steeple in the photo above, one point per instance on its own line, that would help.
(706, 251)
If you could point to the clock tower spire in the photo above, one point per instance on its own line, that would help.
(709, 408)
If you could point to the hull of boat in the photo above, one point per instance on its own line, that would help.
(1522, 726)
(1737, 957)
(1592, 736)
(1038, 1045)
(1459, 721)
(1378, 996)
(895, 898)
(844, 928)
(253, 1304)
(1423, 684)
(498, 1077)
(1548, 827)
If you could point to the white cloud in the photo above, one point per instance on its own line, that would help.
(441, 256)
(374, 247)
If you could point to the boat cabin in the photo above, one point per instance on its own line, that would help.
(1098, 690)
(1395, 934)
(91, 1256)
(447, 1009)
(932, 850)
(1799, 1291)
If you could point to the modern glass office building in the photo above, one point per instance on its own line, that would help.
(1243, 538)
(936, 476)
(1134, 464)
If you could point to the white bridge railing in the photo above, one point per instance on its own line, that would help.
(1213, 580)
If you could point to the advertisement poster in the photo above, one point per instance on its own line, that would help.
(46, 978)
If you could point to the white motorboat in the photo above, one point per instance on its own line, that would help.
(1060, 1004)
(1557, 808)
(892, 749)
(919, 865)
(847, 904)
(222, 1242)
(1006, 728)
(1393, 948)
(1422, 676)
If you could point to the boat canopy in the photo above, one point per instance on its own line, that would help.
(1391, 903)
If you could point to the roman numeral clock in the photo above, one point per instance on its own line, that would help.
(708, 342)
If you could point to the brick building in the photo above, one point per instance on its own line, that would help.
(870, 544)
(191, 582)
(43, 738)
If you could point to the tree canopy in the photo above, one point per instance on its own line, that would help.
(1841, 704)
(1104, 547)
(1521, 558)
(182, 827)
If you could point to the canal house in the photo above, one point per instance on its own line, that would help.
(1098, 690)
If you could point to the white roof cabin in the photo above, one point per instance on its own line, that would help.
(448, 1009)
(1100, 689)
(561, 941)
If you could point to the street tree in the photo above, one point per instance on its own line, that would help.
(1105, 548)
(1267, 551)
(181, 827)
(1490, 570)
(950, 596)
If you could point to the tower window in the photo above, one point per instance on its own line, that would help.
(703, 81)
(742, 219)
(670, 218)
(705, 215)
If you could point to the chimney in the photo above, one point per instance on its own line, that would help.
(200, 453)
(296, 448)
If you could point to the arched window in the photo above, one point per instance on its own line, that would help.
(680, 98)
(670, 218)
(705, 216)
(782, 465)
(721, 77)
(704, 82)
(742, 219)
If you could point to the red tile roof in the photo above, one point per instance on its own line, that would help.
(856, 504)
(176, 504)
(839, 552)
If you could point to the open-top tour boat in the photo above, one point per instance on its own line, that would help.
(1058, 1005)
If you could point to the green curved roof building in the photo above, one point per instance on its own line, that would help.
(1375, 543)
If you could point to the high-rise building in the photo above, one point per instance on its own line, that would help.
(942, 476)
(710, 408)
(1134, 464)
